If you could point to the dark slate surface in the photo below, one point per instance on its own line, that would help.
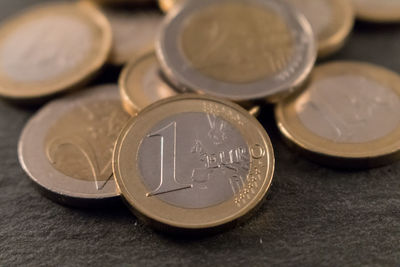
(312, 216)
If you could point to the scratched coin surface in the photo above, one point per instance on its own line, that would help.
(331, 21)
(141, 83)
(349, 111)
(239, 50)
(51, 48)
(133, 30)
(193, 162)
(66, 148)
(378, 11)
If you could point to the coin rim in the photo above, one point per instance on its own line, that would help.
(133, 105)
(367, 14)
(146, 211)
(338, 33)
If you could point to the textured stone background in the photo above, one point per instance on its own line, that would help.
(312, 216)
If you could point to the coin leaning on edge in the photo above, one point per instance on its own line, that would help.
(238, 50)
(51, 48)
(347, 117)
(193, 162)
(66, 147)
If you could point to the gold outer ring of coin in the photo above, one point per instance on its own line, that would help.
(367, 13)
(169, 217)
(340, 29)
(122, 2)
(166, 5)
(134, 104)
(327, 152)
(137, 100)
(22, 91)
(342, 21)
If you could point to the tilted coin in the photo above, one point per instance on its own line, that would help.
(239, 50)
(166, 5)
(347, 117)
(66, 148)
(51, 48)
(133, 30)
(378, 11)
(331, 21)
(141, 84)
(193, 162)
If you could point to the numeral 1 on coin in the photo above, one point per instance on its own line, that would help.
(168, 182)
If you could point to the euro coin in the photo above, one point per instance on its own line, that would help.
(141, 83)
(348, 116)
(238, 50)
(331, 21)
(66, 148)
(378, 11)
(51, 48)
(193, 162)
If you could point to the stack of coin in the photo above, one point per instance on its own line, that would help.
(176, 138)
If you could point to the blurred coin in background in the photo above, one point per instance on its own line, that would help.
(331, 21)
(122, 2)
(51, 48)
(142, 84)
(193, 162)
(238, 50)
(66, 148)
(347, 117)
(378, 11)
(133, 28)
(166, 5)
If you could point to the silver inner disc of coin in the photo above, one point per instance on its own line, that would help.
(46, 48)
(193, 160)
(349, 109)
(288, 70)
(46, 157)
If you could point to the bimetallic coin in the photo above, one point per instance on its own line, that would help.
(347, 117)
(51, 48)
(331, 21)
(142, 84)
(378, 11)
(133, 30)
(193, 162)
(66, 148)
(239, 50)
